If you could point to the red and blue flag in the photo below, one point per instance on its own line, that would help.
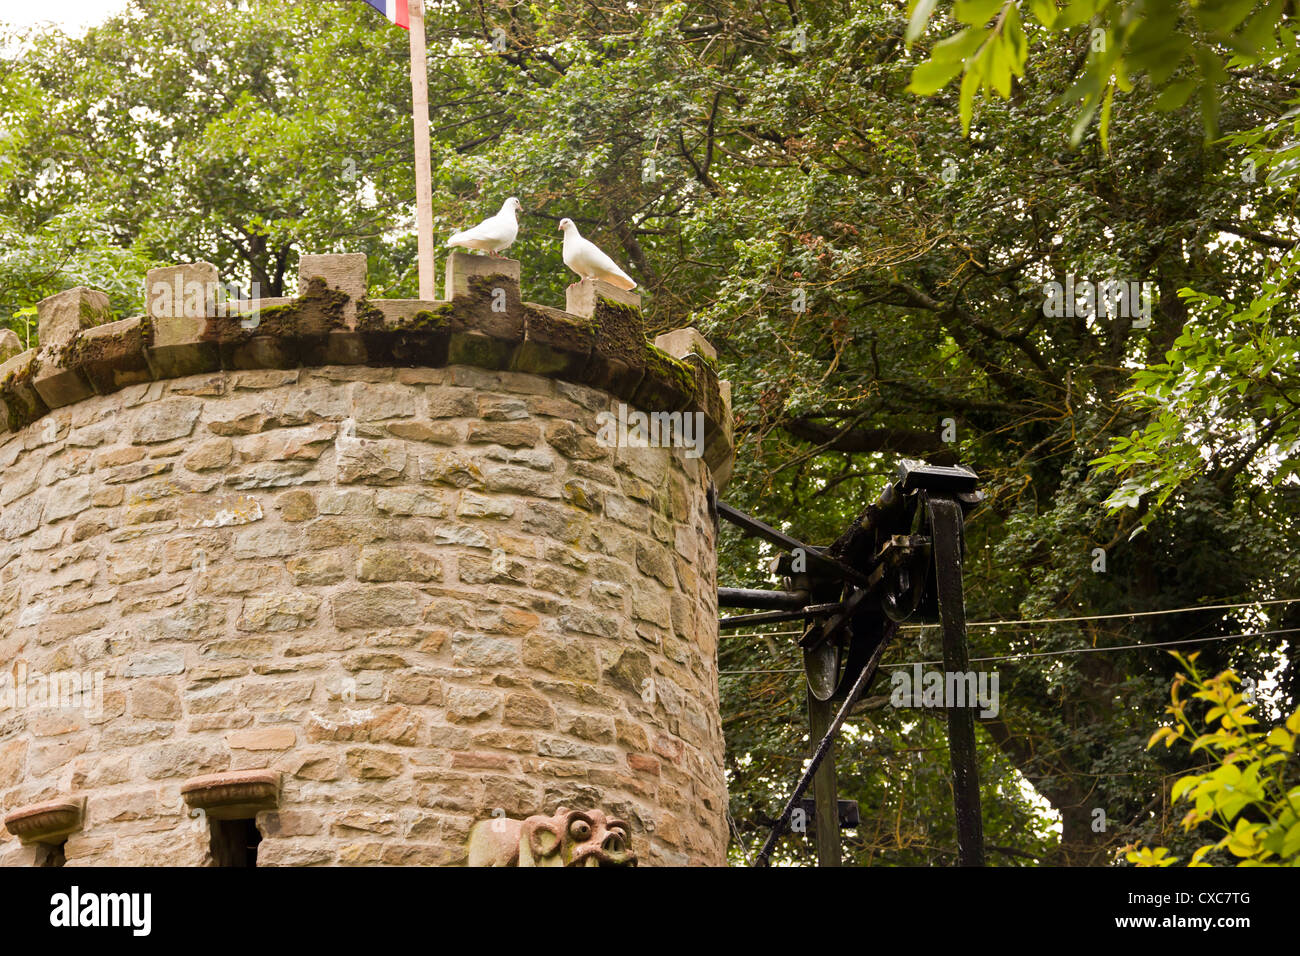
(395, 10)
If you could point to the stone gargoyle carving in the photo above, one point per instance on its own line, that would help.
(569, 838)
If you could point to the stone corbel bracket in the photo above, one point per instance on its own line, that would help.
(233, 795)
(597, 340)
(47, 822)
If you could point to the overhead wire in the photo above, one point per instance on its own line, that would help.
(1062, 653)
(1059, 620)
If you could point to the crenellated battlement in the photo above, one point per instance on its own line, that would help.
(597, 340)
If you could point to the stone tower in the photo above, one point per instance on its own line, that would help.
(329, 579)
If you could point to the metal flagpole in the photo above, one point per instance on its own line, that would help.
(423, 161)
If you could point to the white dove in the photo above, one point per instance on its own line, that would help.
(583, 257)
(494, 234)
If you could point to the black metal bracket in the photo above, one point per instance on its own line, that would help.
(900, 559)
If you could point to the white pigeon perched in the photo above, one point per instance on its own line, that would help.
(492, 235)
(584, 258)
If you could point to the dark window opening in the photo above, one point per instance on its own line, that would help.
(234, 842)
(50, 854)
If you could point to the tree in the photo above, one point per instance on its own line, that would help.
(874, 280)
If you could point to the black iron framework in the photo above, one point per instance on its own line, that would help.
(900, 560)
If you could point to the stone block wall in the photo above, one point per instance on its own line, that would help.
(420, 596)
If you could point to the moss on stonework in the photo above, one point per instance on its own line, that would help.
(16, 391)
(548, 322)
(464, 312)
(628, 313)
(83, 350)
(673, 372)
(91, 316)
(439, 318)
(368, 316)
(480, 351)
(710, 362)
(620, 332)
(493, 280)
(474, 310)
(371, 318)
(274, 312)
(315, 313)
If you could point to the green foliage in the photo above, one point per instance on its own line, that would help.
(1251, 794)
(1223, 404)
(1174, 48)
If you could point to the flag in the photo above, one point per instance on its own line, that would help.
(395, 10)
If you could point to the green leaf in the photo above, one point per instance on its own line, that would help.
(930, 77)
(959, 46)
(1175, 94)
(1081, 11)
(1085, 116)
(1017, 45)
(1208, 62)
(1210, 111)
(1258, 30)
(1181, 786)
(999, 70)
(1161, 62)
(1221, 17)
(920, 17)
(1044, 11)
(976, 12)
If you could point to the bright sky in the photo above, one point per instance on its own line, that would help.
(73, 16)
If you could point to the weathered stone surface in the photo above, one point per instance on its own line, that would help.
(10, 345)
(60, 386)
(344, 272)
(378, 606)
(179, 347)
(20, 404)
(680, 343)
(529, 710)
(398, 563)
(509, 434)
(467, 704)
(329, 574)
(214, 453)
(62, 315)
(265, 738)
(564, 658)
(583, 296)
(376, 462)
(464, 266)
(187, 290)
(166, 420)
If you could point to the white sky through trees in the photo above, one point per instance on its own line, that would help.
(74, 16)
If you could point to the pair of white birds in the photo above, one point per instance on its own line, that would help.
(584, 257)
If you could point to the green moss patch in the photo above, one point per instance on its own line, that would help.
(20, 398)
(668, 385)
(110, 362)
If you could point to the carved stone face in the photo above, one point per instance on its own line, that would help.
(575, 838)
